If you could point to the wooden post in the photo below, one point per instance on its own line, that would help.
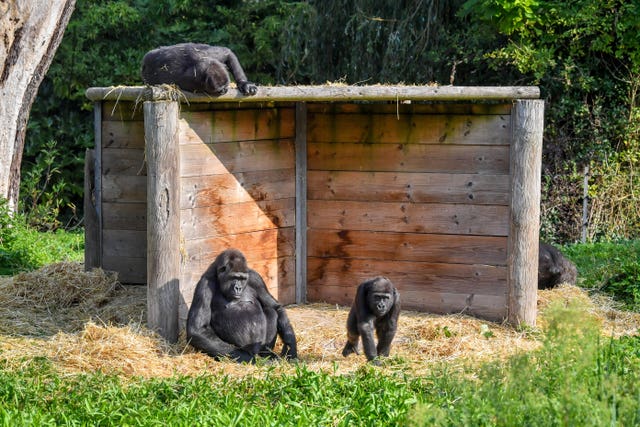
(301, 202)
(526, 157)
(163, 217)
(91, 229)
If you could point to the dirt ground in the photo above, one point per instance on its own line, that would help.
(87, 321)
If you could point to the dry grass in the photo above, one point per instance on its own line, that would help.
(87, 321)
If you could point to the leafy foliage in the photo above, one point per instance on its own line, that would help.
(574, 379)
(584, 55)
(23, 247)
(611, 267)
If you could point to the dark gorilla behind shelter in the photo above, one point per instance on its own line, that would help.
(234, 315)
(554, 268)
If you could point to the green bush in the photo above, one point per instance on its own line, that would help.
(574, 379)
(23, 247)
(610, 267)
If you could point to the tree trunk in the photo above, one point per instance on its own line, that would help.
(31, 33)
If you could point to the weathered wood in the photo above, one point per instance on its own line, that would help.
(237, 218)
(97, 176)
(409, 217)
(124, 216)
(210, 190)
(394, 246)
(126, 243)
(257, 245)
(408, 108)
(301, 202)
(474, 189)
(91, 227)
(230, 157)
(410, 128)
(123, 134)
(163, 217)
(333, 93)
(484, 159)
(122, 111)
(240, 125)
(453, 278)
(131, 270)
(119, 161)
(124, 188)
(526, 159)
(490, 307)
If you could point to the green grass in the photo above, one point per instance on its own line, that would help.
(613, 268)
(38, 396)
(575, 378)
(23, 248)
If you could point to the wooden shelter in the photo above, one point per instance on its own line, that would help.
(437, 188)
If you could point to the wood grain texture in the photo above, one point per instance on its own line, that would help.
(163, 217)
(324, 93)
(526, 160)
(239, 125)
(237, 218)
(211, 190)
(410, 218)
(211, 159)
(408, 158)
(409, 187)
(395, 246)
(409, 129)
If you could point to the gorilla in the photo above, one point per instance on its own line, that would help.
(554, 268)
(234, 315)
(195, 67)
(376, 305)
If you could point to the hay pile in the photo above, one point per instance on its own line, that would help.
(86, 321)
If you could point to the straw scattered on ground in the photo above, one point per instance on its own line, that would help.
(87, 321)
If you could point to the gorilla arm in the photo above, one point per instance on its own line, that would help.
(285, 330)
(200, 333)
(365, 319)
(230, 59)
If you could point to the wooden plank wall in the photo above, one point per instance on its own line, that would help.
(418, 193)
(237, 173)
(124, 191)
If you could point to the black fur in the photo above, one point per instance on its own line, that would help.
(234, 315)
(195, 67)
(554, 268)
(375, 307)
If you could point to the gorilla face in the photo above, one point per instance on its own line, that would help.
(216, 80)
(233, 285)
(380, 302)
(233, 276)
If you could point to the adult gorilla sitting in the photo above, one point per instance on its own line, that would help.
(234, 315)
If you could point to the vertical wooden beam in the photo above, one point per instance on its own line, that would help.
(526, 159)
(301, 202)
(97, 184)
(163, 216)
(91, 230)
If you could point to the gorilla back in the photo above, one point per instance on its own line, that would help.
(195, 67)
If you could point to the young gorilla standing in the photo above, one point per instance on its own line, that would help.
(195, 67)
(234, 315)
(376, 306)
